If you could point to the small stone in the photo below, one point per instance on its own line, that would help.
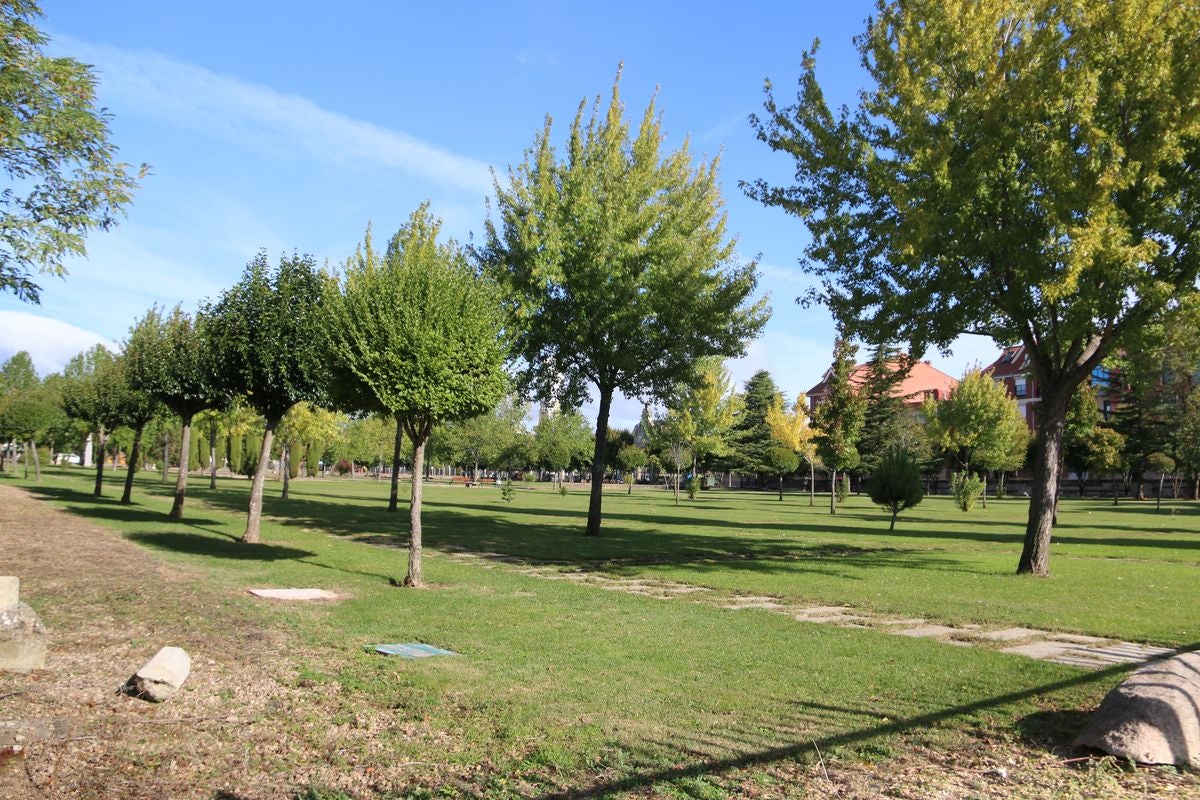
(10, 592)
(161, 676)
(1153, 716)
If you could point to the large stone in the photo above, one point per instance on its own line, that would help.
(1153, 716)
(22, 639)
(10, 592)
(161, 676)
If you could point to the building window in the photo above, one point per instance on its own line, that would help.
(1019, 388)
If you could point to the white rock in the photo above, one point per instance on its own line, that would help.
(22, 639)
(161, 676)
(1153, 716)
(10, 591)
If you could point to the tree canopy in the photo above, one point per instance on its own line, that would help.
(64, 179)
(425, 333)
(617, 268)
(1023, 170)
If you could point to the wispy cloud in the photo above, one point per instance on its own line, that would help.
(233, 110)
(50, 342)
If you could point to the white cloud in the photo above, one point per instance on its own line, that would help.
(188, 96)
(50, 342)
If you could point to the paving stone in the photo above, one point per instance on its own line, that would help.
(293, 594)
(846, 620)
(767, 604)
(1043, 650)
(906, 622)
(824, 610)
(1009, 634)
(1076, 638)
(928, 631)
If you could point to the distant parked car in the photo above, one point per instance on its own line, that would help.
(67, 458)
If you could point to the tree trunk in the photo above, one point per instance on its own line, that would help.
(394, 497)
(677, 486)
(1035, 554)
(984, 476)
(185, 449)
(135, 455)
(37, 461)
(812, 484)
(166, 458)
(212, 454)
(254, 517)
(892, 527)
(833, 491)
(285, 455)
(414, 577)
(1158, 500)
(781, 487)
(1116, 493)
(27, 459)
(102, 440)
(597, 496)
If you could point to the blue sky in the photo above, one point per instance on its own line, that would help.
(291, 129)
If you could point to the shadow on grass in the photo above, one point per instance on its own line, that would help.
(223, 546)
(694, 752)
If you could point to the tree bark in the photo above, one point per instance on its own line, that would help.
(394, 497)
(131, 465)
(812, 484)
(833, 491)
(1158, 500)
(37, 461)
(185, 449)
(597, 495)
(102, 441)
(212, 454)
(285, 456)
(166, 458)
(414, 576)
(1035, 554)
(254, 517)
(892, 527)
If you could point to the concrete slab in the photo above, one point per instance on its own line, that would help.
(1043, 650)
(1075, 638)
(1009, 634)
(293, 594)
(908, 623)
(823, 611)
(847, 620)
(928, 631)
(767, 604)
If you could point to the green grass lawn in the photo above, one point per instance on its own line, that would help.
(565, 682)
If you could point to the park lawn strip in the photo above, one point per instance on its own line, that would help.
(560, 679)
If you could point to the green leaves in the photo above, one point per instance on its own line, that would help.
(64, 179)
(266, 337)
(419, 328)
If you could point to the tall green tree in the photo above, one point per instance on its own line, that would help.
(90, 394)
(838, 419)
(562, 440)
(134, 408)
(750, 435)
(707, 407)
(978, 426)
(64, 179)
(883, 407)
(791, 429)
(168, 357)
(617, 267)
(488, 438)
(264, 338)
(425, 332)
(1019, 169)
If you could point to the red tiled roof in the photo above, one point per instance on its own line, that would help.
(1013, 361)
(922, 378)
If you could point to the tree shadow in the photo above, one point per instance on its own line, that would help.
(223, 546)
(706, 754)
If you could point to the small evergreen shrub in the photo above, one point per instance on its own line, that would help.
(966, 488)
(842, 488)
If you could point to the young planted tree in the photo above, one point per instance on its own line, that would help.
(134, 408)
(1020, 170)
(263, 338)
(631, 458)
(63, 179)
(896, 482)
(783, 461)
(90, 386)
(706, 407)
(838, 420)
(617, 269)
(424, 332)
(791, 429)
(979, 425)
(560, 440)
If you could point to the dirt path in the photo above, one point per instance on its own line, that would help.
(233, 730)
(1086, 652)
